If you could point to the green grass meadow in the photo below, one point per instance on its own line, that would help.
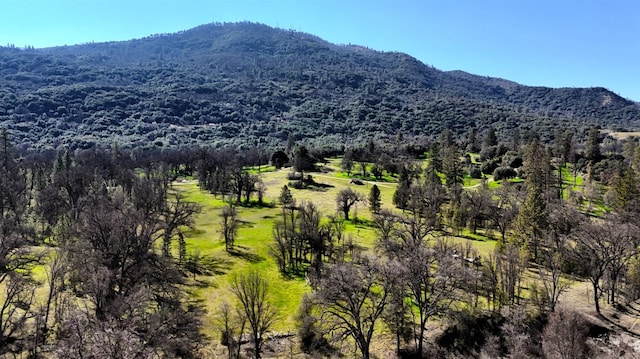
(255, 237)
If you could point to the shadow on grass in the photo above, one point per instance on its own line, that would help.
(205, 266)
(319, 187)
(245, 224)
(476, 237)
(361, 222)
(294, 274)
(613, 321)
(243, 253)
(600, 331)
(311, 186)
(259, 205)
(218, 266)
(199, 283)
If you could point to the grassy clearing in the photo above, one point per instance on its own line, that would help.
(260, 169)
(252, 253)
(621, 136)
(255, 237)
(481, 241)
(469, 181)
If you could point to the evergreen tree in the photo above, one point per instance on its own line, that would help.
(403, 191)
(624, 191)
(452, 167)
(515, 140)
(446, 139)
(592, 147)
(290, 143)
(490, 139)
(435, 159)
(285, 198)
(302, 159)
(532, 218)
(472, 141)
(374, 199)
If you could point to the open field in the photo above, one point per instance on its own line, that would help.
(621, 135)
(255, 237)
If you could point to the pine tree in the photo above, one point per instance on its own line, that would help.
(374, 199)
(403, 191)
(592, 147)
(472, 141)
(285, 199)
(532, 218)
(490, 139)
(451, 166)
(624, 189)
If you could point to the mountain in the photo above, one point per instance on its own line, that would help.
(250, 84)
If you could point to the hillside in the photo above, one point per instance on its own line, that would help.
(249, 84)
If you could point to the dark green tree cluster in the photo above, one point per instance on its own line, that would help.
(244, 88)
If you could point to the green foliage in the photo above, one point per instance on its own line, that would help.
(242, 84)
(504, 173)
(374, 199)
(592, 147)
(402, 193)
(302, 159)
(285, 199)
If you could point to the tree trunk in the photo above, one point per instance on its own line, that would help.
(364, 348)
(256, 343)
(595, 296)
(423, 322)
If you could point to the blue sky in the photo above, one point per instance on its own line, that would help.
(556, 43)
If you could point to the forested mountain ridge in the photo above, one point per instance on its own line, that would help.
(250, 84)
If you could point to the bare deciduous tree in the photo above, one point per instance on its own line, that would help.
(176, 213)
(565, 335)
(477, 203)
(251, 290)
(511, 265)
(352, 297)
(229, 226)
(115, 265)
(553, 283)
(232, 323)
(432, 278)
(597, 246)
(504, 208)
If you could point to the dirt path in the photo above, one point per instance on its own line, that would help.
(479, 184)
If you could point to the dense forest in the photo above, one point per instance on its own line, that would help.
(252, 85)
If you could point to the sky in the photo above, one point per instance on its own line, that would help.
(555, 43)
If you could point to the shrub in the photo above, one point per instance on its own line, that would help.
(489, 166)
(501, 173)
(475, 172)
